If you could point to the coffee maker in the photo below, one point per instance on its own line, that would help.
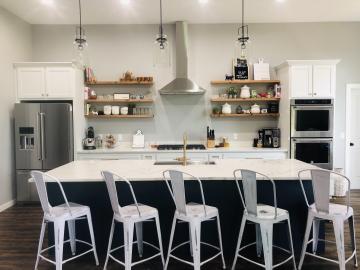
(89, 141)
(270, 137)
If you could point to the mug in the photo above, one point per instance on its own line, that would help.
(107, 110)
(115, 110)
(124, 110)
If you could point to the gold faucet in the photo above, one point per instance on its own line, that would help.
(184, 159)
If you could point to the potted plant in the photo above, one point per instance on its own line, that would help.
(232, 93)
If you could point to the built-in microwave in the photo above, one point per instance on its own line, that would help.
(314, 151)
(312, 118)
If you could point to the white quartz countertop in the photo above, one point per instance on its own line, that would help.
(126, 148)
(145, 170)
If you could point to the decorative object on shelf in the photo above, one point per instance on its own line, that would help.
(264, 110)
(261, 70)
(239, 109)
(93, 111)
(273, 107)
(115, 110)
(253, 94)
(107, 110)
(86, 93)
(92, 94)
(241, 69)
(216, 110)
(80, 42)
(226, 108)
(229, 77)
(118, 96)
(255, 109)
(277, 90)
(138, 140)
(161, 45)
(131, 106)
(110, 141)
(232, 93)
(245, 92)
(269, 94)
(89, 76)
(124, 110)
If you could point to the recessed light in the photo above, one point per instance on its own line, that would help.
(48, 2)
(125, 2)
(203, 1)
(280, 1)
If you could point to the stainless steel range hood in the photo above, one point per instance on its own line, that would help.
(182, 85)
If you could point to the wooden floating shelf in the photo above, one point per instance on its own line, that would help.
(244, 115)
(114, 83)
(246, 82)
(119, 116)
(243, 99)
(116, 101)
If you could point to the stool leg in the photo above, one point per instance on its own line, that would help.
(220, 241)
(110, 243)
(91, 230)
(306, 239)
(170, 243)
(241, 232)
(59, 228)
(339, 237)
(258, 240)
(291, 243)
(139, 237)
(41, 240)
(316, 228)
(353, 238)
(267, 241)
(128, 239)
(196, 242)
(191, 246)
(158, 228)
(71, 227)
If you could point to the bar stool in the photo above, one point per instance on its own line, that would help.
(130, 216)
(264, 217)
(322, 209)
(194, 215)
(59, 215)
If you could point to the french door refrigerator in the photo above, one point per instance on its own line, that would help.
(43, 141)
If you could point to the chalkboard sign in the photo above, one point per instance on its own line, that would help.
(241, 71)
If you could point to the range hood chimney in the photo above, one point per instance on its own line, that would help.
(182, 85)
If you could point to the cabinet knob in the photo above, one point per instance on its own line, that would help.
(315, 94)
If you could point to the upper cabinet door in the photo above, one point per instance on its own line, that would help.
(301, 81)
(323, 81)
(59, 82)
(30, 82)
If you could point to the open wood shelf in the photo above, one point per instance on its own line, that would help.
(233, 115)
(245, 82)
(116, 101)
(243, 99)
(114, 83)
(119, 116)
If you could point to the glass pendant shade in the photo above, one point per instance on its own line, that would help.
(161, 51)
(80, 48)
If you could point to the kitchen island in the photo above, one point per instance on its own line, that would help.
(83, 184)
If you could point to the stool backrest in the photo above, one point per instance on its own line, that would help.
(109, 178)
(249, 183)
(177, 189)
(321, 180)
(40, 179)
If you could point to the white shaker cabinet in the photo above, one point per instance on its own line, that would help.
(44, 81)
(308, 78)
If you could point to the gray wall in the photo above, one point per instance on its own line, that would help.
(114, 49)
(15, 45)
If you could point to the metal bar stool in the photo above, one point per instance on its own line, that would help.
(60, 215)
(193, 214)
(264, 217)
(130, 216)
(322, 210)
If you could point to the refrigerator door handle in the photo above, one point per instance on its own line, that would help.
(42, 136)
(38, 144)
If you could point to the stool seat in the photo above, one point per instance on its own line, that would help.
(195, 210)
(131, 211)
(62, 211)
(336, 210)
(268, 212)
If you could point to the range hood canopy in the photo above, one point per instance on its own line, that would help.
(182, 85)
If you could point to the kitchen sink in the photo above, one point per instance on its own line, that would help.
(190, 162)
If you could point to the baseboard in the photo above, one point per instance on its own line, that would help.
(7, 205)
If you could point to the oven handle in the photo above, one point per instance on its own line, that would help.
(312, 140)
(311, 108)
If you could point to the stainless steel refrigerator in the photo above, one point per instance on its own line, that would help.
(43, 141)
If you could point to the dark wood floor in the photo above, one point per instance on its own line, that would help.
(20, 227)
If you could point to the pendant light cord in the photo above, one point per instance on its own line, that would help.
(161, 20)
(243, 13)
(80, 19)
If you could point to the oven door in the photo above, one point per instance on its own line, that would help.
(312, 121)
(315, 151)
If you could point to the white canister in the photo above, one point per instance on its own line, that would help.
(115, 110)
(245, 92)
(107, 110)
(226, 108)
(255, 109)
(124, 110)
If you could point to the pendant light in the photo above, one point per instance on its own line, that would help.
(161, 45)
(242, 42)
(80, 42)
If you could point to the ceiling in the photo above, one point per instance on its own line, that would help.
(193, 11)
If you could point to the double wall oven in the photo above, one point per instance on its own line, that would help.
(312, 129)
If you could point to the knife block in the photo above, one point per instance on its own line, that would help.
(210, 143)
